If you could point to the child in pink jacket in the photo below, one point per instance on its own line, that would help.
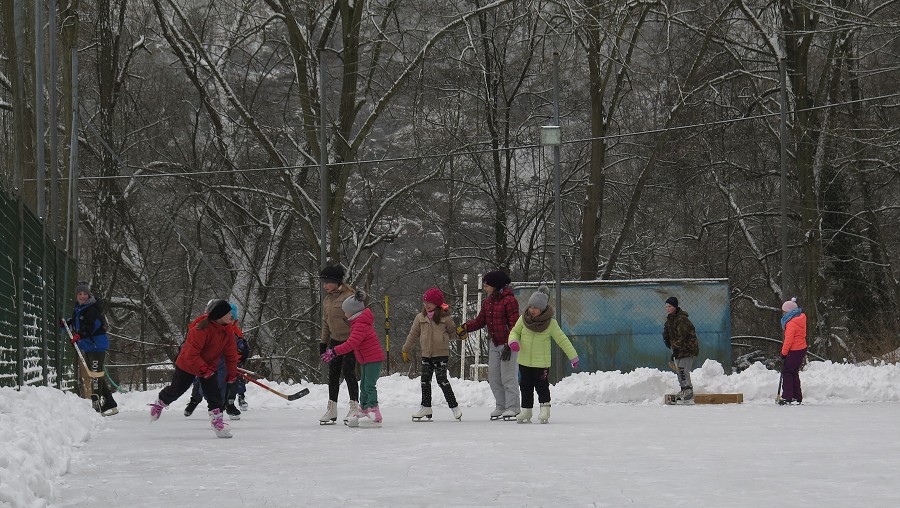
(363, 341)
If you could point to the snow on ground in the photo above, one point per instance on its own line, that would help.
(610, 442)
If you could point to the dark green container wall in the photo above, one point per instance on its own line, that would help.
(617, 325)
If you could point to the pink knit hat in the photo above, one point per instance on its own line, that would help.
(434, 296)
(789, 305)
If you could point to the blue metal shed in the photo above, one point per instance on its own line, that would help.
(617, 325)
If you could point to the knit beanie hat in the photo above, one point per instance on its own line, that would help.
(435, 296)
(82, 287)
(496, 279)
(540, 298)
(217, 309)
(354, 304)
(672, 301)
(333, 274)
(789, 305)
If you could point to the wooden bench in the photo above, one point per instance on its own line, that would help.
(710, 398)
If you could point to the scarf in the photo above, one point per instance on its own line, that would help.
(789, 316)
(541, 322)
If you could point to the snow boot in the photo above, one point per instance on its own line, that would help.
(242, 403)
(189, 409)
(496, 413)
(233, 412)
(373, 419)
(355, 418)
(218, 423)
(156, 409)
(510, 415)
(353, 408)
(109, 407)
(544, 417)
(685, 397)
(330, 416)
(457, 413)
(423, 412)
(524, 416)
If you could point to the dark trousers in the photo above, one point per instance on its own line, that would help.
(346, 365)
(533, 379)
(95, 361)
(181, 382)
(436, 366)
(790, 383)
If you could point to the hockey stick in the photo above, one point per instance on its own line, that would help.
(90, 373)
(780, 380)
(295, 396)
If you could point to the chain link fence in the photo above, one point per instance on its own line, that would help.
(33, 289)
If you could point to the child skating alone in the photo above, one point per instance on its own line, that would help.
(209, 338)
(432, 329)
(363, 341)
(530, 337)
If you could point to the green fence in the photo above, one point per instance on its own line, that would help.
(33, 296)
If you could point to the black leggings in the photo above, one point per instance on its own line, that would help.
(436, 366)
(181, 382)
(533, 379)
(346, 365)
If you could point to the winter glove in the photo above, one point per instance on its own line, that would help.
(574, 362)
(405, 356)
(461, 332)
(506, 354)
(328, 355)
(231, 379)
(322, 348)
(206, 372)
(514, 346)
(75, 338)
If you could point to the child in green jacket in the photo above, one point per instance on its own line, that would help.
(530, 337)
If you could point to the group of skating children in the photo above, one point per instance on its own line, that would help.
(519, 353)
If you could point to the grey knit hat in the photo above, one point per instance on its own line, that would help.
(82, 287)
(216, 309)
(540, 298)
(354, 304)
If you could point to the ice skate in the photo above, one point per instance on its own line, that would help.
(156, 409)
(373, 418)
(423, 412)
(353, 408)
(544, 417)
(509, 415)
(524, 416)
(218, 424)
(242, 403)
(496, 414)
(189, 409)
(330, 416)
(233, 412)
(685, 397)
(109, 407)
(457, 413)
(95, 402)
(356, 417)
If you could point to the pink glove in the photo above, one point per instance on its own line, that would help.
(514, 346)
(328, 355)
(574, 362)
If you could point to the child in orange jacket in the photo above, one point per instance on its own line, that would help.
(793, 351)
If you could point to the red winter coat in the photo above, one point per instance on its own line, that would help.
(204, 347)
(363, 340)
(499, 312)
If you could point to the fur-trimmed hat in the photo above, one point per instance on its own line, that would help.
(82, 287)
(435, 296)
(355, 304)
(540, 298)
(217, 309)
(334, 273)
(789, 305)
(496, 279)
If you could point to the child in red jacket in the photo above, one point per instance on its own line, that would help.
(363, 341)
(209, 338)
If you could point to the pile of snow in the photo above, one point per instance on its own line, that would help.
(42, 426)
(39, 429)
